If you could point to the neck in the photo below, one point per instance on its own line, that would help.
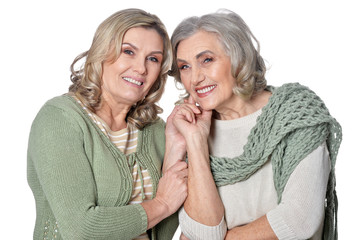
(113, 113)
(238, 107)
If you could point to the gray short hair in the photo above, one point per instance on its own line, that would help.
(248, 67)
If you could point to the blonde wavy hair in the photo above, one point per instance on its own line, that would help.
(248, 67)
(106, 46)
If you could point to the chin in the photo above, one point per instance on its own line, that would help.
(207, 106)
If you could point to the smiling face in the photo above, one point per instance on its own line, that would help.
(205, 71)
(130, 77)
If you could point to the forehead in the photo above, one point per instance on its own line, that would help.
(144, 37)
(199, 42)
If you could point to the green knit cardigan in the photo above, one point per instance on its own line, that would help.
(82, 183)
(293, 124)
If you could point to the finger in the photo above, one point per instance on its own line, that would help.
(184, 173)
(187, 113)
(178, 166)
(191, 100)
(206, 114)
(192, 106)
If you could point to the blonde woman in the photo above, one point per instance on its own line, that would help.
(95, 153)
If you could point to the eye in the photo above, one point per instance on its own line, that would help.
(129, 52)
(183, 67)
(206, 60)
(153, 59)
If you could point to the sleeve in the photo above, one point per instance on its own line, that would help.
(56, 149)
(301, 212)
(166, 228)
(197, 231)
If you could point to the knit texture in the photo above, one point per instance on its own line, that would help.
(82, 183)
(293, 124)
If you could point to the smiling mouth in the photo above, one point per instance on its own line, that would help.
(206, 89)
(133, 81)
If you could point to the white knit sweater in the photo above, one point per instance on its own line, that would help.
(301, 212)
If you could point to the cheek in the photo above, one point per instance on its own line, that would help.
(110, 71)
(105, 79)
(186, 86)
(185, 81)
(228, 81)
(154, 71)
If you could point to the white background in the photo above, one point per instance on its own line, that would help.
(316, 43)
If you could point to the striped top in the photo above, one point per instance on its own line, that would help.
(126, 141)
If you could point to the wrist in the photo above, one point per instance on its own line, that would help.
(174, 145)
(196, 140)
(173, 153)
(162, 207)
(197, 151)
(156, 211)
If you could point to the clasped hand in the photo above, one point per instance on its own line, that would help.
(191, 120)
(186, 121)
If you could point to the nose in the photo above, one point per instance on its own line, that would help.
(139, 66)
(197, 76)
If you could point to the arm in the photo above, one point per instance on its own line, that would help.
(67, 181)
(256, 230)
(175, 148)
(301, 211)
(195, 230)
(174, 152)
(300, 214)
(167, 200)
(203, 205)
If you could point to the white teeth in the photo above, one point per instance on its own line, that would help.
(132, 81)
(207, 89)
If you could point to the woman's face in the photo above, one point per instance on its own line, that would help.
(205, 71)
(130, 77)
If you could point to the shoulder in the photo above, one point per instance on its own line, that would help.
(57, 118)
(294, 96)
(291, 90)
(288, 88)
(58, 111)
(63, 102)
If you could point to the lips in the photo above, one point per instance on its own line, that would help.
(131, 80)
(204, 91)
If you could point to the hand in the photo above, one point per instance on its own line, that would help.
(171, 131)
(190, 119)
(258, 229)
(172, 187)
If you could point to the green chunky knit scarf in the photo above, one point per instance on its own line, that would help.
(293, 124)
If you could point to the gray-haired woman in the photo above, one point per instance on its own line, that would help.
(261, 159)
(95, 154)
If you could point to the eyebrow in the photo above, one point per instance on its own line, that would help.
(197, 56)
(203, 53)
(136, 48)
